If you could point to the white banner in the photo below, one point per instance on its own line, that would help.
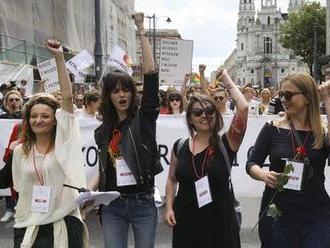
(48, 72)
(175, 60)
(169, 129)
(80, 62)
(120, 60)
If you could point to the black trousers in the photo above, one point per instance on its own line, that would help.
(45, 236)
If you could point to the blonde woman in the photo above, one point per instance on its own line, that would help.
(298, 140)
(265, 97)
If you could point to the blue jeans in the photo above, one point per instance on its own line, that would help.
(308, 230)
(142, 214)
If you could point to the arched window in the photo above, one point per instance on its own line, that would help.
(242, 46)
(268, 20)
(268, 45)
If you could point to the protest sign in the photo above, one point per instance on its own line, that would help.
(78, 63)
(48, 72)
(120, 60)
(175, 60)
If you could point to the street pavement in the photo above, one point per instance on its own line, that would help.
(249, 239)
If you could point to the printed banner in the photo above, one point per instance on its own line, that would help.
(169, 129)
(175, 60)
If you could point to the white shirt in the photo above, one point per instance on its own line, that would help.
(62, 165)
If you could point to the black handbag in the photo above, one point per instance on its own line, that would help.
(6, 178)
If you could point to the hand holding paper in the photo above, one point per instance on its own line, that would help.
(104, 198)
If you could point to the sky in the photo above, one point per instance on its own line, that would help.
(211, 24)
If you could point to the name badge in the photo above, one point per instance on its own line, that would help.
(295, 176)
(40, 198)
(203, 192)
(125, 176)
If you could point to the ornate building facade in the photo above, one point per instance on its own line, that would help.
(259, 58)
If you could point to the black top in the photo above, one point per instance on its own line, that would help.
(278, 143)
(213, 225)
(114, 153)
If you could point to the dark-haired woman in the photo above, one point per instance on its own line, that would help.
(202, 214)
(128, 152)
(50, 156)
(175, 104)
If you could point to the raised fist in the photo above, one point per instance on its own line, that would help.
(201, 68)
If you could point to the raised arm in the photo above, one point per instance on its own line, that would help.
(201, 69)
(238, 124)
(183, 90)
(148, 63)
(64, 80)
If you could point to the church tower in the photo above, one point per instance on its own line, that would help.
(246, 20)
(295, 5)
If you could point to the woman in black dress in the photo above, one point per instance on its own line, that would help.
(202, 214)
(303, 204)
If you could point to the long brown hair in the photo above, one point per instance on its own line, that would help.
(307, 85)
(28, 136)
(214, 138)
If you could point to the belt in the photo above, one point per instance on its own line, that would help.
(137, 196)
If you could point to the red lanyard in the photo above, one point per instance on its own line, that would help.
(40, 179)
(193, 160)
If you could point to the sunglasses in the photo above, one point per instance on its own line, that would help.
(287, 95)
(175, 99)
(209, 110)
(218, 98)
(13, 100)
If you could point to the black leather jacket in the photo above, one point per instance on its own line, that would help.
(138, 144)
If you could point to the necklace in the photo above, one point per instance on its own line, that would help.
(193, 160)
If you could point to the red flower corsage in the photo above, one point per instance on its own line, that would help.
(301, 150)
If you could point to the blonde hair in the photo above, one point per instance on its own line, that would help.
(12, 92)
(307, 85)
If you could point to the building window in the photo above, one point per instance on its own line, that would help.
(242, 46)
(268, 20)
(282, 70)
(268, 44)
(252, 71)
(244, 1)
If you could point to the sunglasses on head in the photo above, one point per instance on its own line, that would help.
(209, 110)
(287, 95)
(218, 98)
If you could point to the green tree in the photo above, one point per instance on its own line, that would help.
(297, 33)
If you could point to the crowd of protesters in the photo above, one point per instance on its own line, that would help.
(44, 152)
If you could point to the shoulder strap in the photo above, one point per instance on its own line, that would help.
(179, 146)
(225, 154)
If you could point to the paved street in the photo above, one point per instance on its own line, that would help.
(249, 239)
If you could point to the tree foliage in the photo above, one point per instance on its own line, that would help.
(297, 33)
